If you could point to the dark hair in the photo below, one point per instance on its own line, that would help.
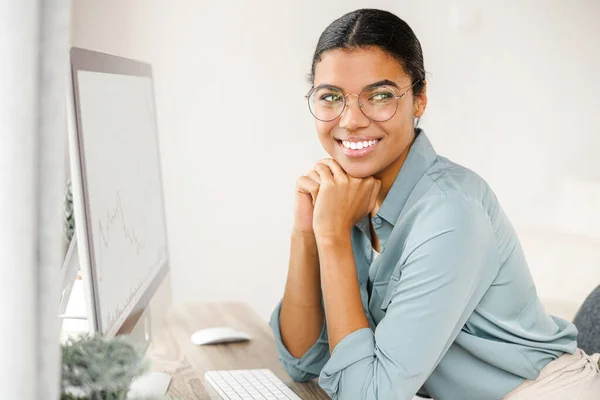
(371, 27)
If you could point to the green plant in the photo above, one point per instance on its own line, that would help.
(95, 368)
(69, 224)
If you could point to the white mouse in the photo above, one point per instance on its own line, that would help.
(150, 385)
(217, 335)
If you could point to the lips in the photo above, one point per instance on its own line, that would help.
(358, 146)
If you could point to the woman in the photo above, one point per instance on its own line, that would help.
(405, 274)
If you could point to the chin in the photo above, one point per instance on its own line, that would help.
(357, 169)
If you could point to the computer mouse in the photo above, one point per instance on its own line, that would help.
(152, 385)
(216, 335)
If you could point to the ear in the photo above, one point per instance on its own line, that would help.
(420, 102)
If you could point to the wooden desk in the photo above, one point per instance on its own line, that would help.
(172, 351)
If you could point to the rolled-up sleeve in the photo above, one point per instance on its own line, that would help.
(448, 262)
(310, 364)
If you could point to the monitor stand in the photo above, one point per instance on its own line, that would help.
(68, 272)
(138, 327)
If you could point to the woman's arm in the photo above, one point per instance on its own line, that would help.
(341, 292)
(452, 261)
(301, 317)
(342, 201)
(298, 322)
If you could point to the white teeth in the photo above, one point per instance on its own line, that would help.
(358, 145)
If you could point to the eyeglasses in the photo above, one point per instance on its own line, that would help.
(378, 104)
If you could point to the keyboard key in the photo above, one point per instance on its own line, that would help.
(253, 384)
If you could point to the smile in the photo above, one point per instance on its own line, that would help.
(358, 147)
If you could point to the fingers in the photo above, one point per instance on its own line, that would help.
(324, 172)
(336, 170)
(314, 176)
(308, 186)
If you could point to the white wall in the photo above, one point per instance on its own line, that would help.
(513, 95)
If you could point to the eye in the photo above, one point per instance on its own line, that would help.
(331, 97)
(381, 96)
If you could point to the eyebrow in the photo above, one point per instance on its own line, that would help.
(383, 82)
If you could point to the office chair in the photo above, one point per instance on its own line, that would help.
(587, 321)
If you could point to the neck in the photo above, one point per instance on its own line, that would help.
(388, 176)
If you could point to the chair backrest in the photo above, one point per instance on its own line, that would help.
(587, 321)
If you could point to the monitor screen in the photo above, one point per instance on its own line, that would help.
(120, 185)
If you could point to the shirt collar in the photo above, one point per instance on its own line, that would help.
(419, 159)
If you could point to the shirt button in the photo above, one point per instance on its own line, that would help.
(377, 221)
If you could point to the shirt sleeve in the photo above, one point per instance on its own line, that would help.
(451, 259)
(310, 364)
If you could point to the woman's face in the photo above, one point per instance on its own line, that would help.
(387, 142)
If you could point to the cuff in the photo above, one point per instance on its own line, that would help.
(309, 365)
(357, 346)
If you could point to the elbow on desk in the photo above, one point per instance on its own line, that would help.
(298, 374)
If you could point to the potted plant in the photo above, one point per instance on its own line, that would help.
(95, 368)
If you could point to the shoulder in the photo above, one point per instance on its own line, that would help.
(449, 214)
(452, 193)
(452, 179)
(453, 204)
(457, 190)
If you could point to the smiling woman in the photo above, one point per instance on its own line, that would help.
(405, 274)
(384, 111)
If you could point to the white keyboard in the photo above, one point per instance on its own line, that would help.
(249, 384)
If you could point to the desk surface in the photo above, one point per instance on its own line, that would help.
(172, 351)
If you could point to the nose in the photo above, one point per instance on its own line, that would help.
(352, 117)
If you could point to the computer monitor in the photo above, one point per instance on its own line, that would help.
(117, 190)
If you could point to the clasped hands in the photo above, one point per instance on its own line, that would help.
(329, 202)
